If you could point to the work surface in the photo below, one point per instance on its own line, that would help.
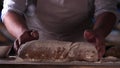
(13, 63)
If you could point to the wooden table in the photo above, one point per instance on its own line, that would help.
(11, 63)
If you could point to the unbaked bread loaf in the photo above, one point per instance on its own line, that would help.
(57, 51)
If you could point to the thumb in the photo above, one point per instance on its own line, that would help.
(89, 35)
(35, 34)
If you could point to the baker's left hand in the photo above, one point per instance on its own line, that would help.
(96, 39)
(26, 37)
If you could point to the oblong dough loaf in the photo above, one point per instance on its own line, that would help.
(57, 51)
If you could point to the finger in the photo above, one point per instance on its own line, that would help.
(89, 36)
(16, 45)
(35, 34)
(102, 52)
(100, 46)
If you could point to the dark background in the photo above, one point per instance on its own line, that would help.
(0, 5)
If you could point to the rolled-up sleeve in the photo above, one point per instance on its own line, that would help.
(15, 5)
(105, 6)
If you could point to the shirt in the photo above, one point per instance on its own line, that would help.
(54, 17)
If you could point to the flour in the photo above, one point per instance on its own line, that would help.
(57, 51)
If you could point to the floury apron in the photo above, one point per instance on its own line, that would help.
(63, 20)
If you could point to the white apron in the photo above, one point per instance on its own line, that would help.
(60, 19)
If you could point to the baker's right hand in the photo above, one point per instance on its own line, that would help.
(25, 37)
(96, 39)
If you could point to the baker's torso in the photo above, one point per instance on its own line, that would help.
(61, 14)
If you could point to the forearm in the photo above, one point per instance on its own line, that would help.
(15, 23)
(104, 24)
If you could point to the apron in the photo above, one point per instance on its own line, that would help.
(63, 20)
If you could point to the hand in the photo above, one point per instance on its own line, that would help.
(25, 37)
(96, 39)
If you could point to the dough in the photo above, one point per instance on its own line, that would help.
(83, 51)
(57, 51)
